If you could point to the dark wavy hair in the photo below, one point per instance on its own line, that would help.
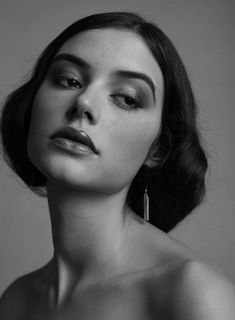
(176, 183)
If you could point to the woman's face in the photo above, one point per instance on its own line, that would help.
(106, 83)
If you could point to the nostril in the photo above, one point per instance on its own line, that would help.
(81, 113)
(88, 115)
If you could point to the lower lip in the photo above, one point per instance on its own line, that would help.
(71, 146)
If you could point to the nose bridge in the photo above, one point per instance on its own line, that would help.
(86, 104)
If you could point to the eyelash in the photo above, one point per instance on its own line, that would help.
(136, 101)
(59, 80)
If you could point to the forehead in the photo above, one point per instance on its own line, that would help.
(109, 49)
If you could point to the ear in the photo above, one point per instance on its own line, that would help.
(152, 159)
(151, 162)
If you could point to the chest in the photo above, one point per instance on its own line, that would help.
(116, 303)
(145, 296)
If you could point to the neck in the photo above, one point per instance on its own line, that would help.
(89, 232)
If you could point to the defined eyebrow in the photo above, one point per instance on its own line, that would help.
(120, 73)
(71, 58)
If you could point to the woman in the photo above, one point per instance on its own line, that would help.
(107, 120)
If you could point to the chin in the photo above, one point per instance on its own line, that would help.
(80, 174)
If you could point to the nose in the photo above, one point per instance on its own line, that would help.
(84, 107)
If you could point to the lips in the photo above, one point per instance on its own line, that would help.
(77, 136)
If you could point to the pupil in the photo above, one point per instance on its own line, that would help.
(129, 100)
(72, 82)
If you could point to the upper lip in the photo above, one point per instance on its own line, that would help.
(73, 134)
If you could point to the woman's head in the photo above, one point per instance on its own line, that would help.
(173, 168)
(107, 83)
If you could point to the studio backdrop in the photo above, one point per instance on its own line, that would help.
(203, 33)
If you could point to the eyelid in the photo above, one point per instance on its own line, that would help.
(58, 68)
(133, 89)
(136, 99)
(58, 77)
(58, 73)
(64, 66)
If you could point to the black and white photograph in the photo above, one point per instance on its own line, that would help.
(117, 193)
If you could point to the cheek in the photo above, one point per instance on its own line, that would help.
(130, 143)
(43, 119)
(44, 113)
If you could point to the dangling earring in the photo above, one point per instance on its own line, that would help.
(146, 205)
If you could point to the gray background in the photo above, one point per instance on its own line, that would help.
(202, 32)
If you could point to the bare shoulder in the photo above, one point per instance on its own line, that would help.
(200, 292)
(182, 287)
(186, 288)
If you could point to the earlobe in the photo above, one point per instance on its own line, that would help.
(152, 160)
(150, 163)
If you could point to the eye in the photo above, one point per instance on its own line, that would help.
(68, 81)
(127, 101)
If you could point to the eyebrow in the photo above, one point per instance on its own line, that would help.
(120, 73)
(71, 58)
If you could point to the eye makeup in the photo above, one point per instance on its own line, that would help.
(124, 86)
(64, 74)
(122, 74)
(134, 89)
(126, 74)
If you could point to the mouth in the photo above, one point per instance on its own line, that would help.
(76, 141)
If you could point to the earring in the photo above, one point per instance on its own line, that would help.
(146, 205)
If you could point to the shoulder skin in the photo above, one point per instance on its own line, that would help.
(201, 293)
